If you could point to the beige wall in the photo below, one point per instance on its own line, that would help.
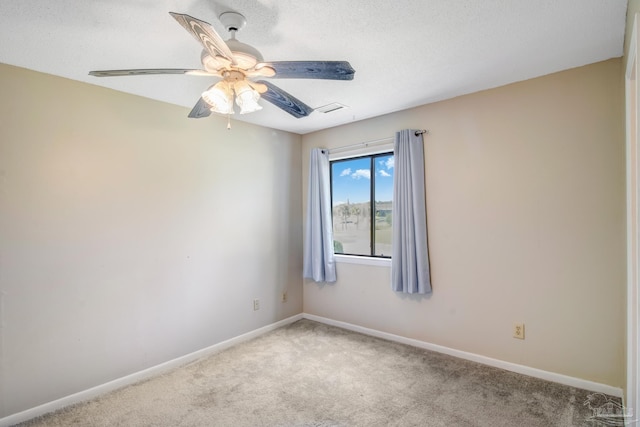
(526, 215)
(131, 235)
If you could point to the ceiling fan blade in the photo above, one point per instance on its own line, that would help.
(206, 35)
(330, 70)
(285, 101)
(200, 110)
(146, 72)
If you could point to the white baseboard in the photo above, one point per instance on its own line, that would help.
(138, 376)
(513, 367)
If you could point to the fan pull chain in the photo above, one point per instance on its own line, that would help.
(228, 121)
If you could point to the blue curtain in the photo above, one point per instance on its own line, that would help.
(410, 255)
(319, 263)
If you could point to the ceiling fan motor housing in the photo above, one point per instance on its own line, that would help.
(245, 55)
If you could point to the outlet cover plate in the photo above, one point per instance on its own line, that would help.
(518, 331)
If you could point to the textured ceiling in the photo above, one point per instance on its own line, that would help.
(405, 53)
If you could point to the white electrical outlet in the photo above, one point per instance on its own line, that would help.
(256, 304)
(518, 331)
(284, 296)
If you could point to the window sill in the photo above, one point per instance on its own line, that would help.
(350, 259)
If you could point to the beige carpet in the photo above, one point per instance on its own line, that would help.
(310, 374)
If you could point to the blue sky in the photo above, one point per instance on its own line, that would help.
(351, 179)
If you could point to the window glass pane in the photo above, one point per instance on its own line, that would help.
(383, 178)
(351, 194)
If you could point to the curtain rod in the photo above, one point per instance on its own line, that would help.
(374, 142)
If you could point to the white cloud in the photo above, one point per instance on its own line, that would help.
(389, 163)
(383, 173)
(361, 173)
(346, 172)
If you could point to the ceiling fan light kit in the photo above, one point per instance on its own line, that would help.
(236, 64)
(220, 95)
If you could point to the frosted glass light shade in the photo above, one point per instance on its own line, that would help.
(247, 98)
(220, 98)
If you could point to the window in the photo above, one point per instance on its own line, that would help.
(361, 205)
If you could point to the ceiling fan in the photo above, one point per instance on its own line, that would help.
(238, 65)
